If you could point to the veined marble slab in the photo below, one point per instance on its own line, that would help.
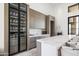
(50, 46)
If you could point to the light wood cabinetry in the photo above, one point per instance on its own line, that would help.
(32, 40)
(36, 19)
(50, 25)
(6, 27)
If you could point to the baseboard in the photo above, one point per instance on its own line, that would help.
(3, 54)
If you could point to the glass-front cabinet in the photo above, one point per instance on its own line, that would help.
(73, 25)
(13, 28)
(23, 18)
(17, 27)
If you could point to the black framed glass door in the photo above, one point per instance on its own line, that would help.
(17, 27)
(13, 28)
(23, 27)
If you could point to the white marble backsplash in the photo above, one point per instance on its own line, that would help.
(35, 31)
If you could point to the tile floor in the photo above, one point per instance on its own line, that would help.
(32, 52)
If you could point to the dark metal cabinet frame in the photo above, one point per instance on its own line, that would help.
(19, 10)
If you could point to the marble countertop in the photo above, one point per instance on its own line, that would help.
(39, 35)
(56, 41)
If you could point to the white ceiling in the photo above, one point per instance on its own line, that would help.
(57, 4)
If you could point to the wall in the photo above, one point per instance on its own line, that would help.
(61, 21)
(61, 17)
(1, 26)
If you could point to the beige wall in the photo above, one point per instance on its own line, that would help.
(6, 29)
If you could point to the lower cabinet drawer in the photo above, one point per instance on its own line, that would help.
(32, 41)
(32, 45)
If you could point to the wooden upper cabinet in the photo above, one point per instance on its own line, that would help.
(73, 8)
(36, 19)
